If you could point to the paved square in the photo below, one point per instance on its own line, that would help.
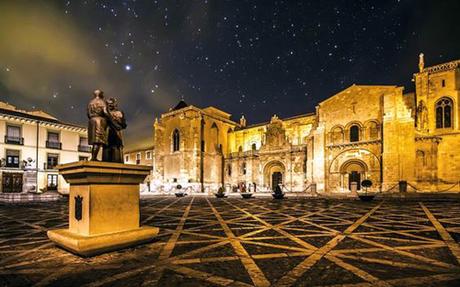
(236, 242)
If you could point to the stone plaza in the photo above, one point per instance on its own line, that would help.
(205, 241)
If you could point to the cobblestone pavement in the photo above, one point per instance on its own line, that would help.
(235, 242)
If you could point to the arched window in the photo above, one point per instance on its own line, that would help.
(444, 113)
(373, 130)
(240, 149)
(229, 170)
(354, 133)
(176, 140)
(254, 146)
(215, 136)
(337, 135)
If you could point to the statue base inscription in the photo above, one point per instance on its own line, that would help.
(103, 208)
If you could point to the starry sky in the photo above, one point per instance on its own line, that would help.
(256, 58)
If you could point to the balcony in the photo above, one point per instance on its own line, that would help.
(14, 140)
(84, 148)
(13, 165)
(50, 165)
(53, 145)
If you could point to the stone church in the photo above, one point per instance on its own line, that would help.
(363, 132)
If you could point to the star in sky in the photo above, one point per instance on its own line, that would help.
(253, 57)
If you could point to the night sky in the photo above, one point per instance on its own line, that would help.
(255, 58)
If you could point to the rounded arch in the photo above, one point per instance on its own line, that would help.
(354, 131)
(372, 129)
(355, 134)
(337, 134)
(337, 126)
(353, 123)
(353, 171)
(353, 165)
(274, 173)
(366, 123)
(333, 161)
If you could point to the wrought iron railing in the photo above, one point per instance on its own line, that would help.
(53, 145)
(14, 140)
(84, 148)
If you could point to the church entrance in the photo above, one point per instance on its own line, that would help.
(354, 176)
(277, 179)
(353, 171)
(273, 174)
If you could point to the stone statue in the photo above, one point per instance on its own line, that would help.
(422, 116)
(421, 62)
(113, 152)
(97, 124)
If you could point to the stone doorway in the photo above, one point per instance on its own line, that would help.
(277, 179)
(354, 176)
(274, 172)
(353, 171)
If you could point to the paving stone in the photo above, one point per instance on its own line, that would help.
(235, 242)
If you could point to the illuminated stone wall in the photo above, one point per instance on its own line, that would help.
(363, 132)
(357, 110)
(437, 147)
(281, 145)
(186, 164)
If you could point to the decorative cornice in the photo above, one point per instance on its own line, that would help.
(43, 122)
(428, 138)
(442, 67)
(354, 144)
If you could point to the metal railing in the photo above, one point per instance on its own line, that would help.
(53, 145)
(47, 166)
(84, 148)
(14, 140)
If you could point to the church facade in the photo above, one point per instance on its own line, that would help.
(378, 133)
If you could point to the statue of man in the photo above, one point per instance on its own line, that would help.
(422, 116)
(113, 152)
(97, 124)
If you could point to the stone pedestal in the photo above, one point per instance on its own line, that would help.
(103, 208)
